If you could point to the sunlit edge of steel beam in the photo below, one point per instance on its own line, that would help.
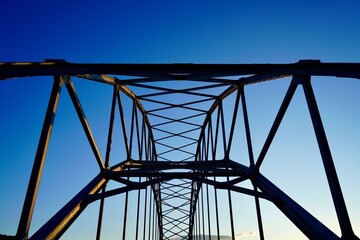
(260, 78)
(166, 165)
(39, 161)
(62, 220)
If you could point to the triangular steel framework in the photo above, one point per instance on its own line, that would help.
(178, 143)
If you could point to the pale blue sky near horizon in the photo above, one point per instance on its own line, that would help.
(182, 32)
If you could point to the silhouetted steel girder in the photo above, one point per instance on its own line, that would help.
(198, 172)
(179, 71)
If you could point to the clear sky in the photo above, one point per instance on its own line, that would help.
(181, 32)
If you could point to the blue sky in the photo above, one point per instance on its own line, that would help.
(182, 32)
(171, 31)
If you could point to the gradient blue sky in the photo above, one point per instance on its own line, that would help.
(177, 32)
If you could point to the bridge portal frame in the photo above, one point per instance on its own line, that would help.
(201, 170)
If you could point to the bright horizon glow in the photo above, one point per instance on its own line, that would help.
(161, 32)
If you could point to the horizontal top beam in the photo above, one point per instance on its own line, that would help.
(178, 71)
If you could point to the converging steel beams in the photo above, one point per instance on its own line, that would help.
(334, 185)
(178, 131)
(311, 227)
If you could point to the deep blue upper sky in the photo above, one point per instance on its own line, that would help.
(180, 31)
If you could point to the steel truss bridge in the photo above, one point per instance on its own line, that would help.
(178, 136)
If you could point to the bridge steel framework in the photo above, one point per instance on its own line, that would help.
(175, 176)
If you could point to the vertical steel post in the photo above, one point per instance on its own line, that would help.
(125, 213)
(123, 125)
(100, 217)
(194, 229)
(223, 130)
(251, 159)
(145, 209)
(107, 160)
(231, 213)
(233, 123)
(138, 213)
(208, 209)
(199, 218)
(202, 212)
(258, 213)
(36, 172)
(330, 170)
(153, 221)
(213, 148)
(150, 214)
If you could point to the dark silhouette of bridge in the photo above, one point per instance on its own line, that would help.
(178, 143)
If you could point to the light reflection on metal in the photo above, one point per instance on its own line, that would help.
(174, 167)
